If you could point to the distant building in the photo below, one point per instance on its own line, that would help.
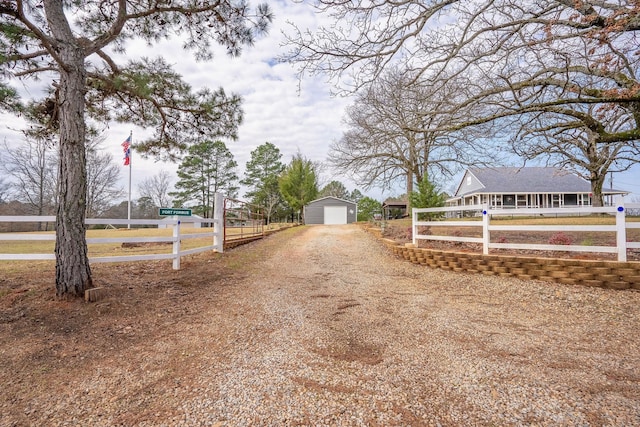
(394, 208)
(330, 210)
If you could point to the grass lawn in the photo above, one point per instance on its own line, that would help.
(116, 249)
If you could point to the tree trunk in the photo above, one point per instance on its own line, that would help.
(73, 274)
(597, 182)
(409, 190)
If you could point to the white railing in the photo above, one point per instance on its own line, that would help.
(619, 228)
(177, 237)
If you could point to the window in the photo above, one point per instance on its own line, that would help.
(571, 199)
(509, 200)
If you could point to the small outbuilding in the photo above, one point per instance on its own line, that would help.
(394, 208)
(330, 210)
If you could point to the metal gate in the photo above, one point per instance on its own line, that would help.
(243, 222)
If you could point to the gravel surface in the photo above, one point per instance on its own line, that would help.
(325, 327)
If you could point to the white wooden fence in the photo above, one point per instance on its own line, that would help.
(618, 210)
(217, 236)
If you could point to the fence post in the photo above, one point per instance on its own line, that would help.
(621, 229)
(218, 222)
(176, 245)
(414, 227)
(486, 237)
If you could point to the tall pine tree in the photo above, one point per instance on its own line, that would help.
(261, 178)
(69, 46)
(208, 168)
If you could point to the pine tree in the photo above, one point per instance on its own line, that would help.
(261, 177)
(70, 45)
(208, 168)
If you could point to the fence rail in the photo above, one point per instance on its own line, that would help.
(484, 224)
(176, 239)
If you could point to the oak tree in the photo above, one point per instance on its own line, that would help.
(547, 68)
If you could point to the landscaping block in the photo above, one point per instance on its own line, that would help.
(617, 285)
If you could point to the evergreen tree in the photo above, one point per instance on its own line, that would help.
(208, 168)
(367, 208)
(261, 177)
(356, 196)
(335, 189)
(427, 196)
(299, 183)
(69, 45)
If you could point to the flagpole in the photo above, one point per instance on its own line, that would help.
(129, 202)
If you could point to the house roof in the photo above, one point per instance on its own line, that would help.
(395, 201)
(334, 198)
(529, 180)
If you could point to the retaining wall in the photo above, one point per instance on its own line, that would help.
(604, 274)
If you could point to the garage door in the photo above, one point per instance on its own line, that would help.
(335, 214)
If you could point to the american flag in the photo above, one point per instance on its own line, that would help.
(126, 147)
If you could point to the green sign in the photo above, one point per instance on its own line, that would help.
(174, 211)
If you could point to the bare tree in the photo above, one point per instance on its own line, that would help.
(574, 147)
(31, 169)
(395, 132)
(4, 191)
(103, 174)
(156, 188)
(567, 64)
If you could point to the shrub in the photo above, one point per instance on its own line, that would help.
(587, 242)
(560, 238)
(502, 239)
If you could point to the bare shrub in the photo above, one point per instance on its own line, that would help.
(560, 238)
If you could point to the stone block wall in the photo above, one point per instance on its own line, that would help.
(604, 274)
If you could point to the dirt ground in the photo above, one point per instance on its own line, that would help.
(48, 345)
(314, 326)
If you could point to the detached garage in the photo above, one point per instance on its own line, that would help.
(330, 210)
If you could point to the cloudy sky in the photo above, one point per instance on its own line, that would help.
(278, 108)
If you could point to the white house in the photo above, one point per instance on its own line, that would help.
(526, 187)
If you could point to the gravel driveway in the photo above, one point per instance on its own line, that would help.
(326, 327)
(334, 331)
